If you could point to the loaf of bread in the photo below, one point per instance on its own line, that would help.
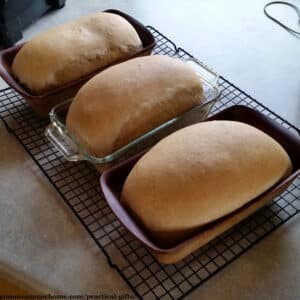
(213, 230)
(129, 99)
(74, 49)
(199, 175)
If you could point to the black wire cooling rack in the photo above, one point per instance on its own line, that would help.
(78, 185)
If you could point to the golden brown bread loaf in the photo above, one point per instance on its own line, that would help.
(71, 50)
(200, 174)
(215, 229)
(127, 100)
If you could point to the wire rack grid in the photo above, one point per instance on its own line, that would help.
(78, 185)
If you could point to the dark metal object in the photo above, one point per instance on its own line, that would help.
(78, 185)
(15, 15)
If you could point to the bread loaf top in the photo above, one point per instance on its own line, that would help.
(74, 49)
(200, 174)
(127, 100)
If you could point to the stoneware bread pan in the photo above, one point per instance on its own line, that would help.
(113, 180)
(42, 103)
(72, 150)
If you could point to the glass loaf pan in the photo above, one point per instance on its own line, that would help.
(72, 150)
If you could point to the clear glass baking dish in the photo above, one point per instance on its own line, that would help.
(72, 150)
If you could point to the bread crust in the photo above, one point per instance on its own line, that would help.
(200, 174)
(127, 100)
(69, 51)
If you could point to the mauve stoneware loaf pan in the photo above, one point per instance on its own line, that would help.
(42, 103)
(112, 182)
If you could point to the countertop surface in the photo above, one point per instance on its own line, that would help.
(45, 245)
